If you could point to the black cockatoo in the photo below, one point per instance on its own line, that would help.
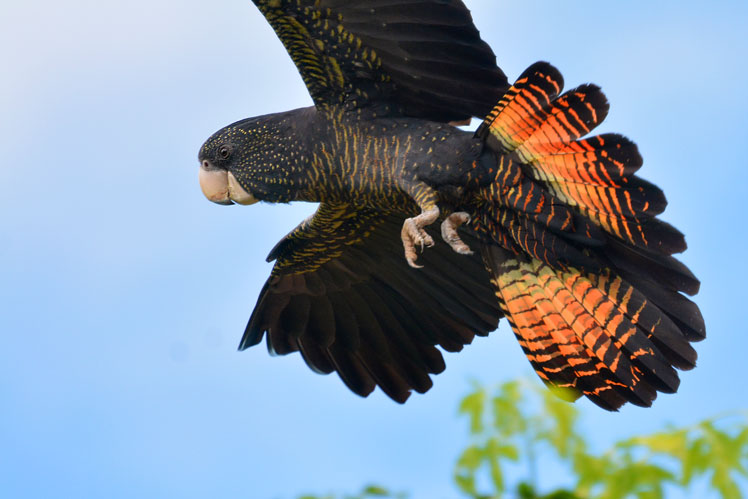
(426, 235)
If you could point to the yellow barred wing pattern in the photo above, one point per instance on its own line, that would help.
(322, 237)
(422, 59)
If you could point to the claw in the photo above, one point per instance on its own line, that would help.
(450, 235)
(413, 235)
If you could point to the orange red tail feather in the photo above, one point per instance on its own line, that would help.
(577, 243)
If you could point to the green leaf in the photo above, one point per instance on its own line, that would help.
(466, 483)
(465, 470)
(470, 458)
(726, 454)
(497, 477)
(560, 494)
(472, 405)
(495, 449)
(697, 460)
(674, 444)
(376, 491)
(526, 491)
(591, 471)
(507, 410)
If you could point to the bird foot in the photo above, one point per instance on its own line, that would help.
(413, 234)
(450, 235)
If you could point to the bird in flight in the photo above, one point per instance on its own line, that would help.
(426, 234)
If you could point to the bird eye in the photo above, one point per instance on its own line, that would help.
(224, 152)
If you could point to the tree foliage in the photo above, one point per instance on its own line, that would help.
(517, 428)
(517, 422)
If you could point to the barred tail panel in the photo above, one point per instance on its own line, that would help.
(522, 109)
(593, 333)
(579, 261)
(543, 131)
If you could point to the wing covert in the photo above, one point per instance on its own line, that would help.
(322, 237)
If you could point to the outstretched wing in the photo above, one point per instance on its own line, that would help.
(420, 58)
(351, 303)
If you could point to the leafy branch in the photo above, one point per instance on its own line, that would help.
(519, 428)
(518, 421)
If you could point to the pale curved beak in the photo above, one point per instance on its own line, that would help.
(221, 186)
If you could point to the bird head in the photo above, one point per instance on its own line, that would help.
(221, 158)
(257, 159)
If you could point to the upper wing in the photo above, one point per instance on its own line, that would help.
(353, 305)
(420, 58)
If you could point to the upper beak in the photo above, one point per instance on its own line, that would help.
(221, 186)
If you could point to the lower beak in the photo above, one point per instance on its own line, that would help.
(221, 187)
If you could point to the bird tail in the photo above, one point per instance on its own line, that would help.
(578, 259)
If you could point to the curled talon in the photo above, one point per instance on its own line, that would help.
(450, 235)
(414, 235)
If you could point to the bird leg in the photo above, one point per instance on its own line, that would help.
(450, 235)
(413, 234)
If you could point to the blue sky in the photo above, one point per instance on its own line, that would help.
(123, 292)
